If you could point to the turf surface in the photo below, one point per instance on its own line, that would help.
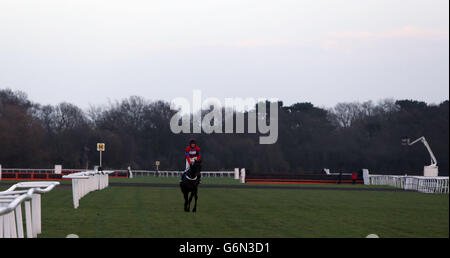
(237, 213)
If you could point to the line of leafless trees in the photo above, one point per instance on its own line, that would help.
(136, 131)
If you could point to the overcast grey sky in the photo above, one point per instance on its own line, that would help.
(321, 51)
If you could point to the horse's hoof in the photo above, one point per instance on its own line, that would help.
(194, 210)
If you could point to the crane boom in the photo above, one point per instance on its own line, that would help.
(424, 141)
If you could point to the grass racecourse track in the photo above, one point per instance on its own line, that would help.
(153, 207)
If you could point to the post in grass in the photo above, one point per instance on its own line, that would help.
(100, 148)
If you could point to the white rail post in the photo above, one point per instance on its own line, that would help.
(12, 218)
(236, 173)
(1, 225)
(130, 172)
(19, 221)
(6, 227)
(366, 176)
(28, 219)
(58, 169)
(243, 176)
(37, 210)
(35, 215)
(75, 192)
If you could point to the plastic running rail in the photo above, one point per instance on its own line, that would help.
(11, 224)
(86, 182)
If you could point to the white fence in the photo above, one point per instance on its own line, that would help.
(238, 174)
(11, 221)
(24, 170)
(413, 183)
(86, 182)
(134, 172)
(231, 174)
(179, 173)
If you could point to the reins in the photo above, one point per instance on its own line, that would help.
(187, 176)
(192, 179)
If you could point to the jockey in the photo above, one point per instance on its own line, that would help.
(192, 154)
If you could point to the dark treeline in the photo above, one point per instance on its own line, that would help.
(137, 132)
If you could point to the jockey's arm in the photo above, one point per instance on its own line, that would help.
(187, 156)
(199, 154)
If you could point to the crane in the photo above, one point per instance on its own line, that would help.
(432, 169)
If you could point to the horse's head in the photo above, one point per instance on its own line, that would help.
(196, 168)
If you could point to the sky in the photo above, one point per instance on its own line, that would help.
(92, 52)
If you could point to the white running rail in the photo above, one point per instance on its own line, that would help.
(11, 221)
(86, 182)
(413, 183)
(132, 172)
(179, 173)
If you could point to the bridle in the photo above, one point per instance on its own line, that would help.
(187, 176)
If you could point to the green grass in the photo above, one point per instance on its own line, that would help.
(237, 213)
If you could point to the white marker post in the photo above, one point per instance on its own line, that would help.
(58, 169)
(366, 176)
(100, 148)
(236, 173)
(243, 176)
(130, 172)
(157, 163)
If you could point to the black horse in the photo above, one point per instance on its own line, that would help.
(189, 184)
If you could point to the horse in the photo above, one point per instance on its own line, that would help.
(189, 184)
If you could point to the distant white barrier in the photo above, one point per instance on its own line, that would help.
(327, 171)
(132, 173)
(412, 183)
(11, 221)
(86, 182)
(179, 173)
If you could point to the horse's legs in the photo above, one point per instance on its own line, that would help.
(186, 208)
(190, 200)
(196, 197)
